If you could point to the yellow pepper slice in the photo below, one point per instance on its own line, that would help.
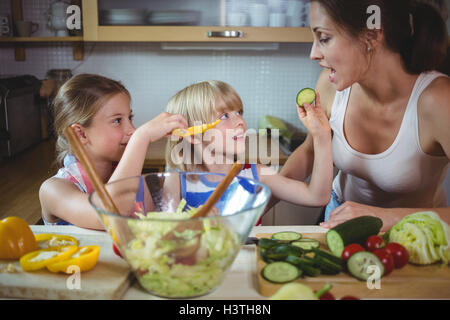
(16, 238)
(85, 258)
(195, 129)
(47, 240)
(39, 259)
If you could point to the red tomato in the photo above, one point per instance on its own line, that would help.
(116, 251)
(327, 296)
(374, 242)
(350, 250)
(400, 254)
(387, 259)
(349, 298)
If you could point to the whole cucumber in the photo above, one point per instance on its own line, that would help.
(356, 230)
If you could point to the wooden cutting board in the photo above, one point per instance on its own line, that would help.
(410, 282)
(107, 280)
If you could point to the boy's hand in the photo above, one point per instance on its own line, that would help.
(163, 124)
(314, 119)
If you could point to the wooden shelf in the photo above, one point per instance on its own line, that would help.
(40, 39)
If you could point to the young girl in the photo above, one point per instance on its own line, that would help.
(207, 101)
(99, 110)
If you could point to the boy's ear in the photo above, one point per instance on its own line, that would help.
(80, 132)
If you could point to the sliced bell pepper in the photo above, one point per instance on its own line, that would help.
(195, 129)
(39, 259)
(16, 238)
(85, 258)
(47, 240)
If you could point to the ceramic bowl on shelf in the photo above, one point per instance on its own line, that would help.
(175, 17)
(171, 254)
(124, 17)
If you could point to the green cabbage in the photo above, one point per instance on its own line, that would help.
(425, 236)
(157, 270)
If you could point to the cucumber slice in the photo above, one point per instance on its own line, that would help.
(356, 230)
(328, 256)
(306, 95)
(280, 272)
(306, 244)
(266, 243)
(282, 251)
(358, 263)
(327, 266)
(287, 236)
(305, 264)
(262, 253)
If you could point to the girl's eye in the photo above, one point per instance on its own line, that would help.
(324, 40)
(240, 112)
(117, 120)
(224, 116)
(131, 117)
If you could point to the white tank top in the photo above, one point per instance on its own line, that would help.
(401, 176)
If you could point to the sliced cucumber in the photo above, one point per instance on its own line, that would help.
(306, 95)
(287, 236)
(327, 266)
(328, 256)
(356, 230)
(306, 244)
(266, 243)
(282, 251)
(307, 265)
(359, 262)
(262, 253)
(280, 272)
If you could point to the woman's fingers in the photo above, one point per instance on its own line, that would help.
(318, 100)
(301, 112)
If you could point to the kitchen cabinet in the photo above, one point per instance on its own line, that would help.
(20, 43)
(178, 21)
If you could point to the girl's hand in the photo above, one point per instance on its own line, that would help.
(314, 119)
(163, 124)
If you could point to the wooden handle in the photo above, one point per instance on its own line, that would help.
(215, 196)
(82, 156)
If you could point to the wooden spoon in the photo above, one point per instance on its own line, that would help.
(196, 224)
(83, 157)
(122, 235)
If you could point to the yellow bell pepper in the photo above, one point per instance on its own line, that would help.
(195, 129)
(47, 240)
(39, 259)
(85, 258)
(16, 238)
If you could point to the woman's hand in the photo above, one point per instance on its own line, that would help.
(314, 119)
(349, 210)
(162, 125)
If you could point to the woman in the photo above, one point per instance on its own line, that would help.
(390, 117)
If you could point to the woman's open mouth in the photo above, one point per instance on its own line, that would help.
(332, 75)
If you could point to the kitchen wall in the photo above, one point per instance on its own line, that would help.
(266, 80)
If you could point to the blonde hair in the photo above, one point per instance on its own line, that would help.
(199, 103)
(77, 101)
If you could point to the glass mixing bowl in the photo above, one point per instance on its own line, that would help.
(173, 256)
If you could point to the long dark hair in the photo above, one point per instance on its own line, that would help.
(422, 44)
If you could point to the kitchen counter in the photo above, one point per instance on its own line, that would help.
(241, 281)
(155, 158)
(242, 273)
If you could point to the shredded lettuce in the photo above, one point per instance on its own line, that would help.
(157, 269)
(425, 235)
